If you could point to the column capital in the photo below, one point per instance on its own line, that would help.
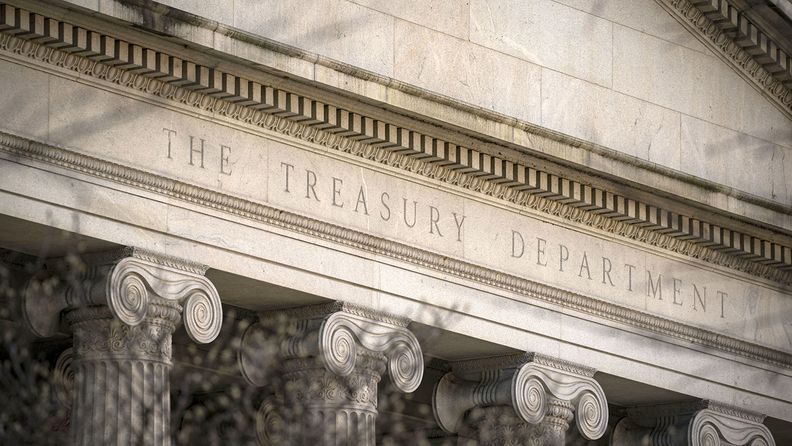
(330, 358)
(341, 336)
(527, 383)
(128, 282)
(701, 423)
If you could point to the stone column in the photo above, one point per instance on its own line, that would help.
(122, 309)
(326, 362)
(703, 423)
(525, 399)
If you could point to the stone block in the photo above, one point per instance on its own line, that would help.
(609, 118)
(447, 16)
(547, 34)
(467, 72)
(156, 139)
(332, 28)
(710, 152)
(23, 108)
(695, 84)
(641, 15)
(218, 10)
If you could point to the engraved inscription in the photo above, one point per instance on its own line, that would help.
(658, 286)
(529, 246)
(198, 152)
(387, 206)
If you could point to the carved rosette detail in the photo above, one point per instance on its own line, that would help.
(538, 390)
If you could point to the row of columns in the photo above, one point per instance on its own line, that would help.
(323, 364)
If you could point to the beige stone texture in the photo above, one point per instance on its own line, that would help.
(465, 72)
(334, 28)
(641, 15)
(131, 132)
(649, 56)
(219, 10)
(763, 168)
(23, 104)
(609, 118)
(342, 190)
(546, 34)
(447, 16)
(695, 84)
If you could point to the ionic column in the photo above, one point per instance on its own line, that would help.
(521, 400)
(122, 310)
(704, 423)
(325, 363)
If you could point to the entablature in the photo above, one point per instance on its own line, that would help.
(576, 198)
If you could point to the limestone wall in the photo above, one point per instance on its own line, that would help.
(620, 73)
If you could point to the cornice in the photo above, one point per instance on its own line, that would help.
(246, 101)
(729, 36)
(473, 122)
(348, 237)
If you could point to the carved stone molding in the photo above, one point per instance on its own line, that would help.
(121, 308)
(324, 363)
(537, 389)
(706, 423)
(127, 282)
(380, 246)
(121, 389)
(728, 45)
(163, 75)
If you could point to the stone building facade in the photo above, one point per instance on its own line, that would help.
(346, 222)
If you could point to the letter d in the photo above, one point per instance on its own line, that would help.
(516, 235)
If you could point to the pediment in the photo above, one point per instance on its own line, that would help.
(753, 39)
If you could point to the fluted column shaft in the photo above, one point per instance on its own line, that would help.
(122, 309)
(121, 384)
(337, 410)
